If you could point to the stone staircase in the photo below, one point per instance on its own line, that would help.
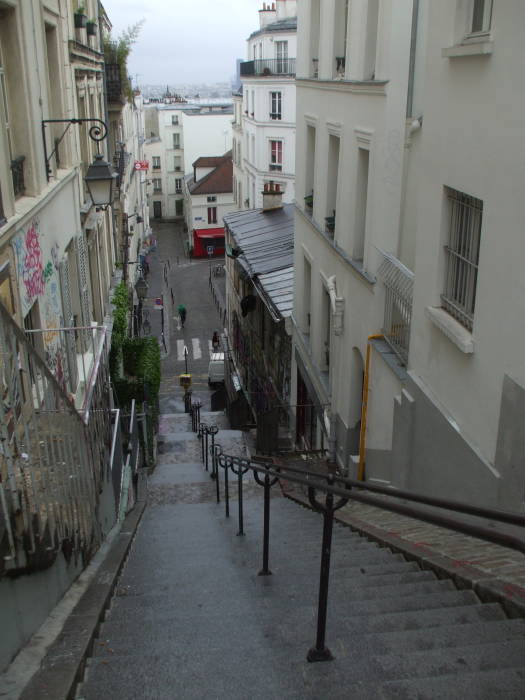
(190, 617)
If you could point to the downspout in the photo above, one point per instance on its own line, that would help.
(364, 408)
(412, 59)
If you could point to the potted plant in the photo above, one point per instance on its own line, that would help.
(309, 201)
(80, 17)
(91, 27)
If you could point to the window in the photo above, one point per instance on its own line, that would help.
(363, 161)
(211, 198)
(481, 16)
(178, 185)
(462, 256)
(310, 167)
(174, 120)
(157, 184)
(176, 140)
(275, 105)
(156, 162)
(281, 54)
(177, 163)
(212, 215)
(276, 155)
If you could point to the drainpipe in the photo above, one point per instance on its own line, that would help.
(364, 409)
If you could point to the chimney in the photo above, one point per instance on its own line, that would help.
(267, 14)
(272, 196)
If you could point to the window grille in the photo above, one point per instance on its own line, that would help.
(83, 283)
(69, 321)
(462, 251)
(399, 284)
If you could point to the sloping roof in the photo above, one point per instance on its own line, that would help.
(266, 239)
(209, 161)
(288, 24)
(278, 288)
(219, 180)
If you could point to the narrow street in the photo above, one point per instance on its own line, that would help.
(188, 279)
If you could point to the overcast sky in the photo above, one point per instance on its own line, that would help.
(185, 41)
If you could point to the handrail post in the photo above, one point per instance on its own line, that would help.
(242, 468)
(202, 429)
(267, 482)
(212, 430)
(206, 433)
(217, 450)
(265, 571)
(226, 490)
(321, 652)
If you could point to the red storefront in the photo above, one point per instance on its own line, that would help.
(208, 242)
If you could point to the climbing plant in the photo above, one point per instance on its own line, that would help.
(118, 50)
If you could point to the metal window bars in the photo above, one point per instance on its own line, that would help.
(462, 250)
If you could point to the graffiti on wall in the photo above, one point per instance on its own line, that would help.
(38, 280)
(29, 265)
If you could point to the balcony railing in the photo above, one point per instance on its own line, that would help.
(269, 66)
(399, 283)
(113, 82)
(17, 172)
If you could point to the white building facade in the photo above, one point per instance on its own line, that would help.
(264, 127)
(176, 135)
(403, 368)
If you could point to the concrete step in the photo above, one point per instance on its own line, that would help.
(482, 685)
(181, 673)
(122, 636)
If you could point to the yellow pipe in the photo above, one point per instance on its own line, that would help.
(364, 409)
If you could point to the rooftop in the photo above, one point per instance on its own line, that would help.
(266, 239)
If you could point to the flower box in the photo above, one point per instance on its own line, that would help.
(80, 19)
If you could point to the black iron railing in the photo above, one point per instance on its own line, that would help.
(17, 172)
(269, 66)
(337, 491)
(113, 82)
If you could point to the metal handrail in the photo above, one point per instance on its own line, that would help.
(345, 489)
(315, 480)
(466, 508)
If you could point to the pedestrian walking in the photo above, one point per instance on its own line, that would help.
(215, 341)
(182, 314)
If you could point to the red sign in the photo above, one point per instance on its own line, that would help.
(141, 165)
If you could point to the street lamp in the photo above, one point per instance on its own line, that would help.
(99, 180)
(141, 287)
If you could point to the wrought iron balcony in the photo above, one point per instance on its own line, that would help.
(17, 172)
(269, 66)
(113, 82)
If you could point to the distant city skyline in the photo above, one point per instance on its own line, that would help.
(185, 43)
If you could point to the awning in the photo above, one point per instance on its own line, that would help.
(209, 232)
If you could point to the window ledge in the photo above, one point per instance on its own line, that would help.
(477, 48)
(454, 331)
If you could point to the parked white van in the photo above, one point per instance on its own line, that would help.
(216, 369)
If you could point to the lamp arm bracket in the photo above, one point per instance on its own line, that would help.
(97, 132)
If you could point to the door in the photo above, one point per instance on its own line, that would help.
(157, 210)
